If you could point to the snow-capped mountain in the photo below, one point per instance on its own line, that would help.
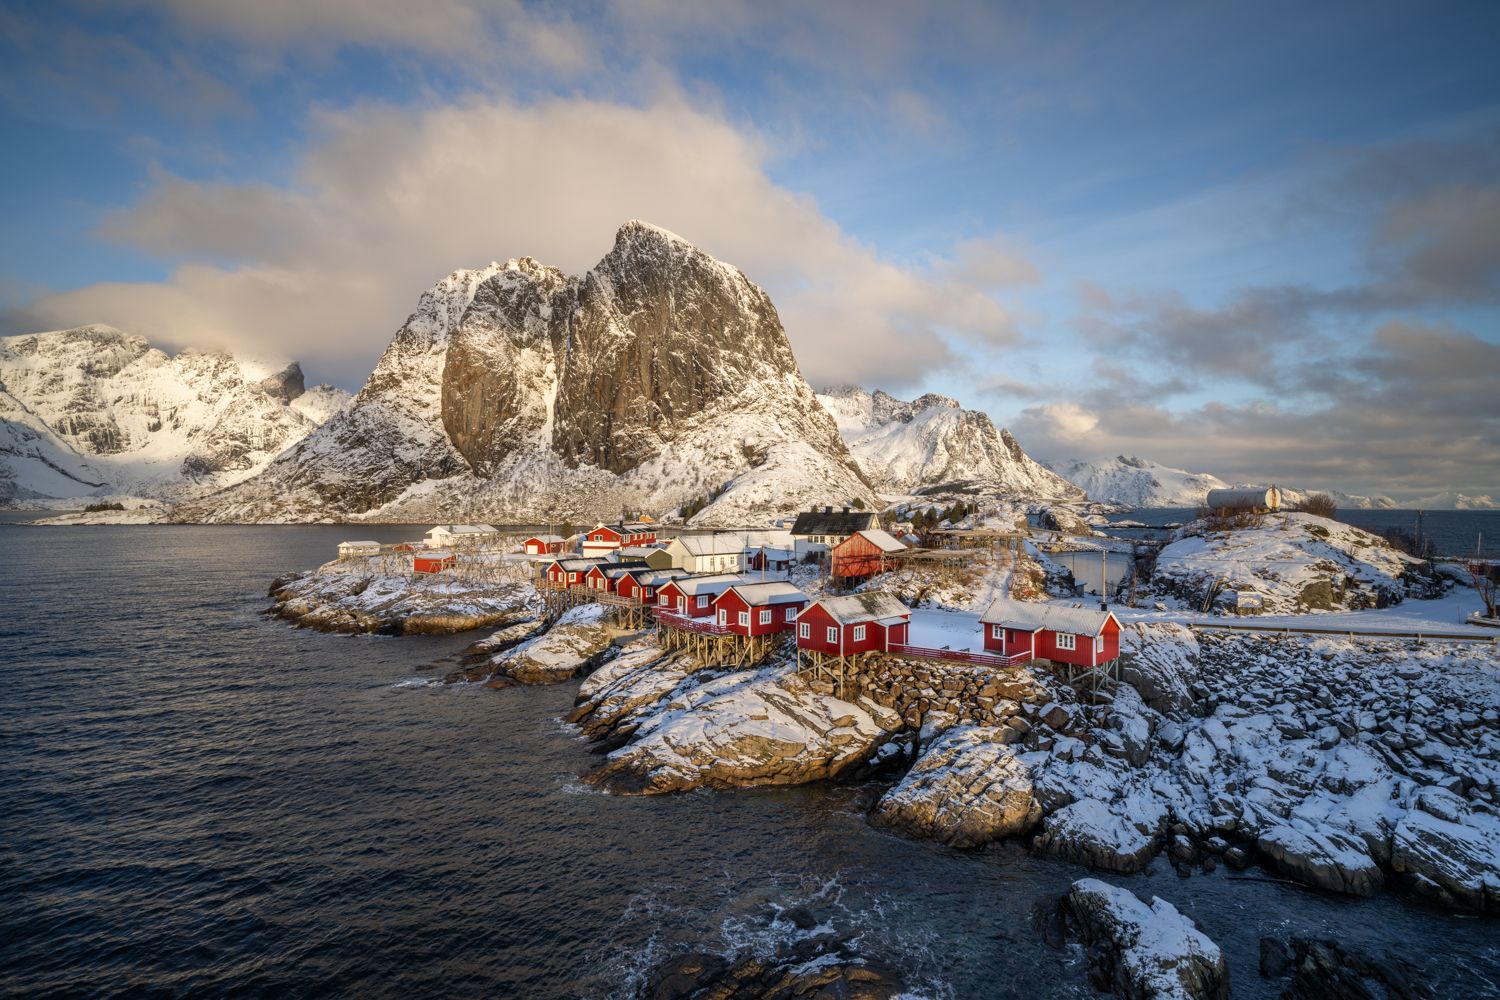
(1141, 483)
(515, 391)
(931, 443)
(1137, 482)
(94, 410)
(1453, 500)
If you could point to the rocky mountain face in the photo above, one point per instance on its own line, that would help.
(1142, 483)
(932, 446)
(515, 391)
(94, 410)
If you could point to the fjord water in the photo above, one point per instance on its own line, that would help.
(198, 800)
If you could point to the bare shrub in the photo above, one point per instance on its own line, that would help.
(1233, 517)
(1320, 504)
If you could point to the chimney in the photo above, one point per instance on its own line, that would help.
(828, 508)
(847, 509)
(1103, 605)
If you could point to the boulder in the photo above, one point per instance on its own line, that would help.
(1329, 859)
(1089, 832)
(578, 641)
(1142, 951)
(815, 967)
(1325, 970)
(1457, 863)
(967, 789)
(764, 727)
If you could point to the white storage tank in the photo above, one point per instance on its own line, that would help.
(1257, 497)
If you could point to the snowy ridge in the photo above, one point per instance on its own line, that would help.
(1141, 483)
(932, 443)
(94, 410)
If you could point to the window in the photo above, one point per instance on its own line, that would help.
(663, 599)
(791, 613)
(997, 632)
(804, 631)
(744, 619)
(859, 633)
(1067, 640)
(1099, 643)
(833, 634)
(765, 616)
(702, 600)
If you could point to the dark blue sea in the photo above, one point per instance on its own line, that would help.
(196, 800)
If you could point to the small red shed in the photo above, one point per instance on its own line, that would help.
(864, 553)
(543, 545)
(752, 609)
(857, 623)
(433, 562)
(1083, 637)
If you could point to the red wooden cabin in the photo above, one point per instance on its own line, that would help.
(863, 554)
(693, 596)
(858, 623)
(1083, 637)
(641, 584)
(543, 545)
(752, 609)
(609, 537)
(433, 562)
(605, 577)
(569, 572)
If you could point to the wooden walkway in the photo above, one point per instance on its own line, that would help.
(963, 656)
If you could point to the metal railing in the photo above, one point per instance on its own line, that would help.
(958, 655)
(703, 626)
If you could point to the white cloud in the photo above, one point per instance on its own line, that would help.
(386, 200)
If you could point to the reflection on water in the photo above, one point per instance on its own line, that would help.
(200, 800)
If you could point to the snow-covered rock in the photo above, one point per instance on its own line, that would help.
(575, 642)
(932, 446)
(378, 595)
(1142, 951)
(1295, 562)
(515, 391)
(93, 410)
(1329, 859)
(1456, 861)
(1109, 837)
(967, 789)
(764, 727)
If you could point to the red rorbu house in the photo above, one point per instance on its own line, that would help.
(569, 572)
(605, 577)
(433, 562)
(756, 609)
(863, 554)
(1082, 637)
(543, 545)
(641, 584)
(857, 623)
(609, 537)
(693, 596)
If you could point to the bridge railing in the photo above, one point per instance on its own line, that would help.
(958, 656)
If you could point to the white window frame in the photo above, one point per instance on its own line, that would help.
(723, 617)
(1067, 640)
(702, 600)
(791, 612)
(744, 619)
(859, 633)
(765, 616)
(833, 634)
(804, 630)
(997, 632)
(1099, 643)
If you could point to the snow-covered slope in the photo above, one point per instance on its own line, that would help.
(515, 391)
(93, 410)
(1453, 500)
(1137, 482)
(931, 443)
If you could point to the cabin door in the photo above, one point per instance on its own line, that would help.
(723, 617)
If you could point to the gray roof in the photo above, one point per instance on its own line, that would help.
(545, 538)
(871, 606)
(1055, 618)
(770, 592)
(579, 564)
(711, 545)
(881, 540)
(613, 571)
(657, 577)
(715, 584)
(363, 542)
(464, 529)
(815, 522)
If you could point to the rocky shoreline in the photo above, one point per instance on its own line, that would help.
(358, 599)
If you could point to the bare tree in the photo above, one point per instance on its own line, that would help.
(1486, 580)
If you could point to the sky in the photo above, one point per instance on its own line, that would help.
(1260, 240)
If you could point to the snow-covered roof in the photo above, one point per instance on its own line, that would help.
(1054, 618)
(692, 586)
(545, 538)
(641, 550)
(463, 529)
(770, 592)
(873, 606)
(435, 554)
(580, 564)
(363, 544)
(881, 540)
(711, 545)
(614, 571)
(657, 577)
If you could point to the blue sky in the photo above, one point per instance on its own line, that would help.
(1259, 240)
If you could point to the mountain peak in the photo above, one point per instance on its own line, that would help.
(636, 229)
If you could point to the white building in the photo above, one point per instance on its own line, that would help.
(353, 550)
(459, 535)
(718, 553)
